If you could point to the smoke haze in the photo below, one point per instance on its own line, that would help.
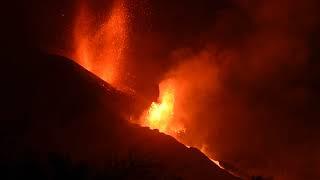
(247, 72)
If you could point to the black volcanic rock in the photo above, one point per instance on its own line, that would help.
(59, 121)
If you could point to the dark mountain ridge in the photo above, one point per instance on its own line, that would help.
(59, 121)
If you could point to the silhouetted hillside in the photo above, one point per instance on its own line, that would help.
(59, 121)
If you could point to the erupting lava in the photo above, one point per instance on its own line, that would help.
(160, 115)
(99, 46)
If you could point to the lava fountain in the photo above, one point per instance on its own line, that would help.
(100, 43)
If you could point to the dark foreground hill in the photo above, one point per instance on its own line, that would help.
(59, 121)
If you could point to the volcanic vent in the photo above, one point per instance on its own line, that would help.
(102, 49)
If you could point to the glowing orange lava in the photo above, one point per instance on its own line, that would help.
(160, 115)
(99, 46)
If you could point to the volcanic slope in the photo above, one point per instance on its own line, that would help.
(59, 121)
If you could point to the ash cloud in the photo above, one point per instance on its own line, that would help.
(249, 69)
(249, 83)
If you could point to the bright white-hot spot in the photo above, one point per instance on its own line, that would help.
(160, 114)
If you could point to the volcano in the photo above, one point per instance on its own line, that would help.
(59, 121)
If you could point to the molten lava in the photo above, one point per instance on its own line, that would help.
(163, 115)
(99, 46)
(100, 43)
(160, 115)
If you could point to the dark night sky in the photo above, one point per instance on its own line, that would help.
(265, 116)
